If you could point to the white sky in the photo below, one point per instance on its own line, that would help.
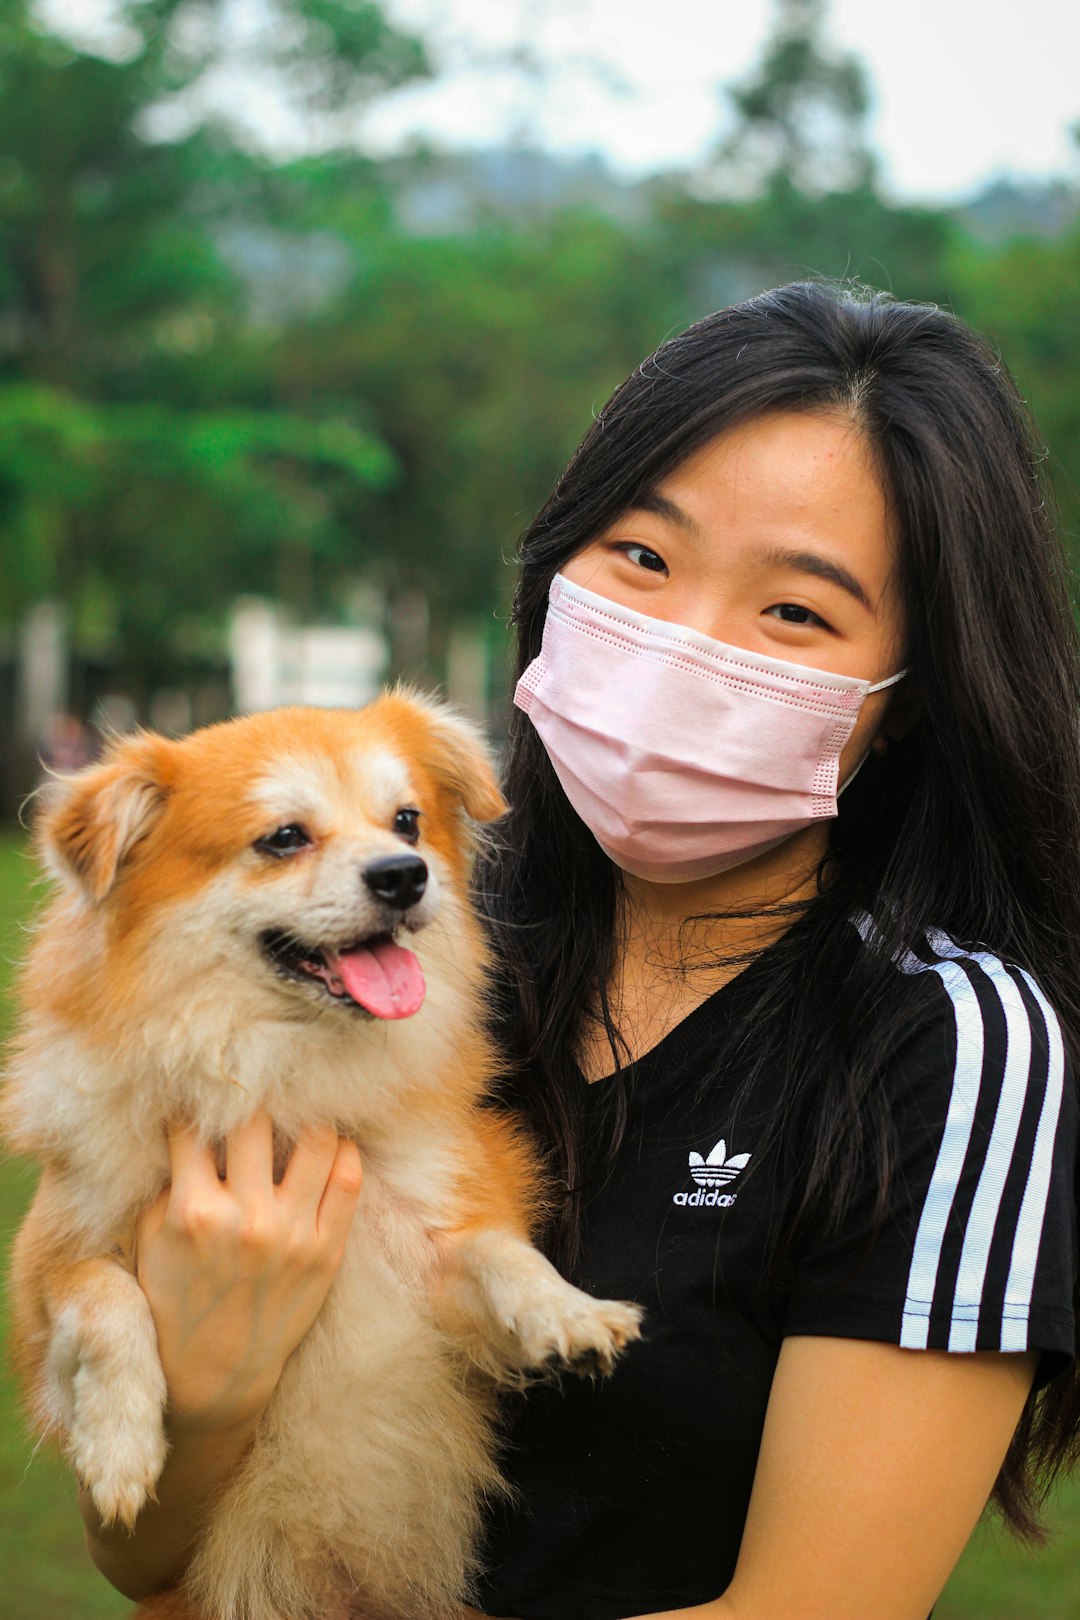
(965, 89)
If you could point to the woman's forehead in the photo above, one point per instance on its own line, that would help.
(787, 483)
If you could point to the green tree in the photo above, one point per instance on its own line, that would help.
(481, 352)
(801, 114)
(149, 471)
(791, 191)
(1023, 296)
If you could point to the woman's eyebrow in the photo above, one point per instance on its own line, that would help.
(802, 562)
(661, 506)
(812, 562)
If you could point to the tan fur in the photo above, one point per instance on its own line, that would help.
(146, 998)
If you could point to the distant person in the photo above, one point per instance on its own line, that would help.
(789, 976)
(67, 744)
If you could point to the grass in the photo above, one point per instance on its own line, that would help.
(46, 1573)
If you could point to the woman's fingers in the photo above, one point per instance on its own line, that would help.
(152, 1218)
(342, 1190)
(192, 1169)
(320, 1163)
(249, 1159)
(309, 1167)
(236, 1270)
(318, 1191)
(323, 1183)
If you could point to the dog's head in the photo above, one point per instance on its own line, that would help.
(301, 847)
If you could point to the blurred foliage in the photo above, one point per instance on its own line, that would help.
(801, 114)
(1024, 297)
(222, 374)
(166, 512)
(152, 465)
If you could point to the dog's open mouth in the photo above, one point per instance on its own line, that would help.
(376, 974)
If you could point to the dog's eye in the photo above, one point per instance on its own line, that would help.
(285, 841)
(407, 825)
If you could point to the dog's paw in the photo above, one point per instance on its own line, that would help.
(560, 1329)
(116, 1443)
(521, 1320)
(120, 1497)
(119, 1467)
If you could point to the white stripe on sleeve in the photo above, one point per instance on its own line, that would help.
(985, 1206)
(967, 1078)
(1029, 1225)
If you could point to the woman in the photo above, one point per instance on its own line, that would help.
(829, 1138)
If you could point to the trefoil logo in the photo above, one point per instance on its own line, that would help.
(712, 1175)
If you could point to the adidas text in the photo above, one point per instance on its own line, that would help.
(725, 1200)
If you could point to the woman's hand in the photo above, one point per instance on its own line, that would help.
(236, 1269)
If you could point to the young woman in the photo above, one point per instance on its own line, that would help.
(790, 970)
(829, 1141)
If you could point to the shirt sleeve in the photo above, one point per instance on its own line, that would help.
(978, 1247)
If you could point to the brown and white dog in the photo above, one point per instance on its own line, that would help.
(229, 935)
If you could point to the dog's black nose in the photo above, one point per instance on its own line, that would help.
(399, 880)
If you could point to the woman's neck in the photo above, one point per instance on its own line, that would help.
(733, 914)
(678, 943)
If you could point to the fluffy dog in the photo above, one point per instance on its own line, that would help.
(228, 935)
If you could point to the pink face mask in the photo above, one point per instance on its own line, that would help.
(683, 756)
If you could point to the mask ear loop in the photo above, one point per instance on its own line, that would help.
(878, 686)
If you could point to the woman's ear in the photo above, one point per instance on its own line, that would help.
(904, 711)
(93, 820)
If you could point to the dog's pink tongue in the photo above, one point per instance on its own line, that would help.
(383, 977)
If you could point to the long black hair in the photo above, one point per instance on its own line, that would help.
(970, 824)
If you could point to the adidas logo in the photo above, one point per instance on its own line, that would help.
(712, 1174)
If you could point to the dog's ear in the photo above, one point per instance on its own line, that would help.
(459, 758)
(93, 820)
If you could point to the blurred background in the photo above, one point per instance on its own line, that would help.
(303, 304)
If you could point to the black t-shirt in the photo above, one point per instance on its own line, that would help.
(631, 1493)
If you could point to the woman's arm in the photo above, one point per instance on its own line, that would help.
(236, 1271)
(153, 1556)
(875, 1465)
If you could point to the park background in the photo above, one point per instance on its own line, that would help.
(278, 392)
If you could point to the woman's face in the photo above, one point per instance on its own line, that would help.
(775, 537)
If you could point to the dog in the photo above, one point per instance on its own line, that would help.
(273, 913)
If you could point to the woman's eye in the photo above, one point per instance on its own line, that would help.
(643, 557)
(284, 840)
(795, 613)
(407, 824)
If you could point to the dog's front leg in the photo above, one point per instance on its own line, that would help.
(101, 1385)
(516, 1316)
